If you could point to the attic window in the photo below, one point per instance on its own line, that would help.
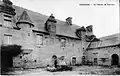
(7, 17)
(69, 20)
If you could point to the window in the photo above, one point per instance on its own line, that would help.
(1, 19)
(95, 53)
(20, 57)
(7, 39)
(39, 39)
(103, 59)
(7, 23)
(73, 60)
(53, 27)
(46, 40)
(46, 37)
(7, 20)
(63, 42)
(35, 60)
(95, 60)
(28, 34)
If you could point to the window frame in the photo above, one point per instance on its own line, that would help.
(9, 39)
(7, 20)
(40, 35)
(63, 44)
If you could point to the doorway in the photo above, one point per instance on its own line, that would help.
(115, 59)
(73, 60)
(95, 61)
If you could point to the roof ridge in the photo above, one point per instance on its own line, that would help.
(40, 19)
(110, 36)
(44, 15)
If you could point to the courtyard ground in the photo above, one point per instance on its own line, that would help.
(77, 70)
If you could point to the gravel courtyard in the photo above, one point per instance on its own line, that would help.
(77, 70)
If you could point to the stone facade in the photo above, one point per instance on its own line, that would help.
(41, 37)
(27, 29)
(106, 51)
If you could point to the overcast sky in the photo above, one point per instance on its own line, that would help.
(105, 19)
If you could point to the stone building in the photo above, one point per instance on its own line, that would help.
(106, 51)
(42, 36)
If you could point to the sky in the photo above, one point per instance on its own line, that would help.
(104, 18)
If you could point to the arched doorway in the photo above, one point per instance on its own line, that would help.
(115, 59)
(73, 60)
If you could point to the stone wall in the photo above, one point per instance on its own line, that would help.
(103, 53)
(40, 55)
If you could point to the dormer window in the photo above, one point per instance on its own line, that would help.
(89, 30)
(50, 24)
(7, 20)
(79, 32)
(7, 13)
(69, 20)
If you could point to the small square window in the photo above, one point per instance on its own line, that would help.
(103, 59)
(28, 34)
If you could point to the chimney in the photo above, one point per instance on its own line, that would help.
(69, 20)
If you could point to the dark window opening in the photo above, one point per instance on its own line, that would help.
(83, 48)
(7, 20)
(73, 44)
(114, 59)
(20, 57)
(28, 34)
(8, 16)
(73, 60)
(103, 60)
(35, 60)
(95, 60)
(46, 37)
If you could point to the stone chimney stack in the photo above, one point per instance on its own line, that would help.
(69, 20)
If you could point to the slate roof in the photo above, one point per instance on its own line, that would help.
(110, 40)
(62, 28)
(110, 36)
